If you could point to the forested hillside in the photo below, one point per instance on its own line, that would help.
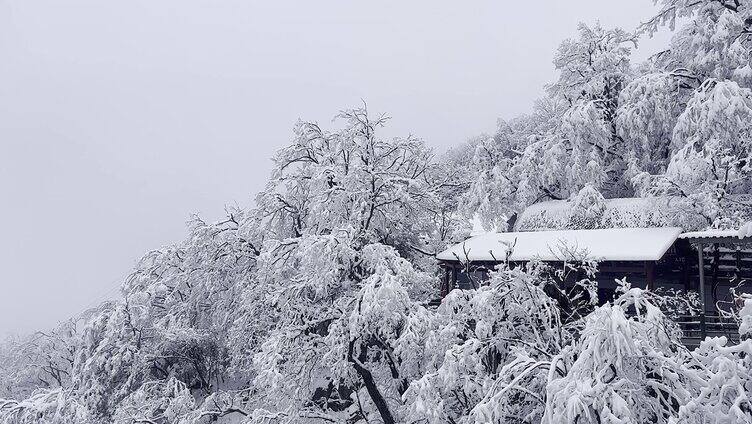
(312, 306)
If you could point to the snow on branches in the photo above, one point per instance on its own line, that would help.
(675, 126)
(312, 306)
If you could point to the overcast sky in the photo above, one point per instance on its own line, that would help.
(118, 119)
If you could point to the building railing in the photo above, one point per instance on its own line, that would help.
(696, 328)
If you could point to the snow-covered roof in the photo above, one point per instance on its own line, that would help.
(710, 234)
(617, 213)
(715, 234)
(612, 244)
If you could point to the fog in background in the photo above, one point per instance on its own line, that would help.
(118, 119)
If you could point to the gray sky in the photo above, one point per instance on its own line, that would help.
(120, 118)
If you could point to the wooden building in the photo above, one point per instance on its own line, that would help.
(640, 254)
(709, 262)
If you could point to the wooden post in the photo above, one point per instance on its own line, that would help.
(445, 283)
(716, 267)
(685, 273)
(738, 262)
(701, 265)
(453, 284)
(650, 274)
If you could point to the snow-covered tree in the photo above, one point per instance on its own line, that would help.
(574, 127)
(649, 107)
(712, 166)
(347, 210)
(312, 305)
(488, 351)
(588, 207)
(623, 369)
(714, 43)
(43, 359)
(594, 66)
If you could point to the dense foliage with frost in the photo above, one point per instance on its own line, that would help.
(313, 305)
(678, 125)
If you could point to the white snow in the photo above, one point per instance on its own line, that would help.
(612, 244)
(630, 212)
(740, 233)
(745, 314)
(745, 230)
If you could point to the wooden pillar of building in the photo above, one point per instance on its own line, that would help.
(453, 284)
(738, 263)
(650, 274)
(701, 267)
(685, 274)
(445, 282)
(715, 268)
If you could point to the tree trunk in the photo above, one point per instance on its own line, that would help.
(367, 377)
